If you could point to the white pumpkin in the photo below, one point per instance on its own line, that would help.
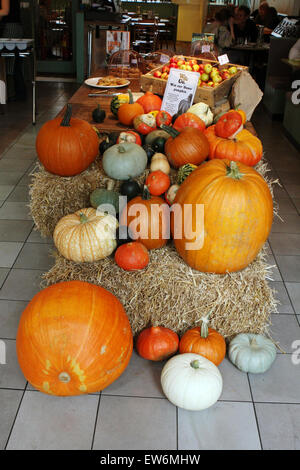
(251, 352)
(203, 111)
(191, 381)
(86, 236)
(160, 162)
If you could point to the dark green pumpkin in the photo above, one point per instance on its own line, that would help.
(158, 144)
(123, 235)
(149, 151)
(105, 197)
(130, 189)
(98, 114)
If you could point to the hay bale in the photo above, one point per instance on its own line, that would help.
(52, 196)
(169, 293)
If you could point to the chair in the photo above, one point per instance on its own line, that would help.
(167, 33)
(145, 35)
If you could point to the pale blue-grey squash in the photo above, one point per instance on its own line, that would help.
(124, 161)
(251, 352)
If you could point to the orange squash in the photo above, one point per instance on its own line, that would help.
(244, 148)
(148, 218)
(157, 343)
(73, 338)
(128, 111)
(229, 124)
(150, 102)
(241, 112)
(204, 341)
(237, 218)
(67, 146)
(188, 146)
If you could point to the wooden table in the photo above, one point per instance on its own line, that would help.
(83, 106)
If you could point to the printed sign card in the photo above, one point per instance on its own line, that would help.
(223, 59)
(180, 91)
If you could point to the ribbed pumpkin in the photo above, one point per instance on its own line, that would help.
(67, 146)
(188, 120)
(150, 102)
(245, 147)
(86, 236)
(73, 338)
(148, 218)
(238, 214)
(204, 341)
(188, 146)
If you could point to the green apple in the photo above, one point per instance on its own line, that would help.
(232, 70)
(217, 78)
(208, 68)
(214, 71)
(204, 77)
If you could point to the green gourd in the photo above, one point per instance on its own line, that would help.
(106, 197)
(124, 161)
(98, 114)
(154, 134)
(251, 352)
(184, 171)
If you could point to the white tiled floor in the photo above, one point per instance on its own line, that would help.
(254, 412)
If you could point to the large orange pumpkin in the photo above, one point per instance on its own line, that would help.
(188, 146)
(73, 338)
(245, 147)
(238, 214)
(148, 219)
(67, 146)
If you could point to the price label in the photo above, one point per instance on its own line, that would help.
(164, 58)
(223, 59)
(205, 48)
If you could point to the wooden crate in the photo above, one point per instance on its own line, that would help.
(214, 97)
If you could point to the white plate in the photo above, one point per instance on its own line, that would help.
(93, 82)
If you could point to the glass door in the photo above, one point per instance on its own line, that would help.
(54, 31)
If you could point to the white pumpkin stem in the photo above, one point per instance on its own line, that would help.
(121, 149)
(253, 342)
(204, 325)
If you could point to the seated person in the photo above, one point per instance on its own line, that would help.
(224, 32)
(266, 16)
(244, 27)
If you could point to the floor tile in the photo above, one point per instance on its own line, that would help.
(15, 230)
(8, 253)
(281, 295)
(289, 177)
(279, 426)
(284, 330)
(293, 190)
(224, 426)
(286, 206)
(10, 314)
(5, 191)
(35, 256)
(289, 267)
(15, 210)
(135, 423)
(293, 289)
(11, 375)
(19, 194)
(18, 164)
(290, 224)
(9, 403)
(296, 202)
(21, 284)
(3, 274)
(9, 178)
(35, 237)
(281, 383)
(274, 273)
(18, 150)
(285, 243)
(141, 378)
(55, 423)
(235, 384)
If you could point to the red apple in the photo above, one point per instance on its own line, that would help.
(165, 69)
(157, 74)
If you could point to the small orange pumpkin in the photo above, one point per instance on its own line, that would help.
(150, 102)
(157, 343)
(204, 341)
(128, 111)
(73, 338)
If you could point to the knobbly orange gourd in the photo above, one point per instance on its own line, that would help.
(245, 147)
(67, 146)
(188, 120)
(237, 217)
(157, 343)
(229, 124)
(150, 102)
(73, 338)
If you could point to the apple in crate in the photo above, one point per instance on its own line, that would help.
(208, 68)
(165, 69)
(232, 70)
(204, 77)
(157, 74)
